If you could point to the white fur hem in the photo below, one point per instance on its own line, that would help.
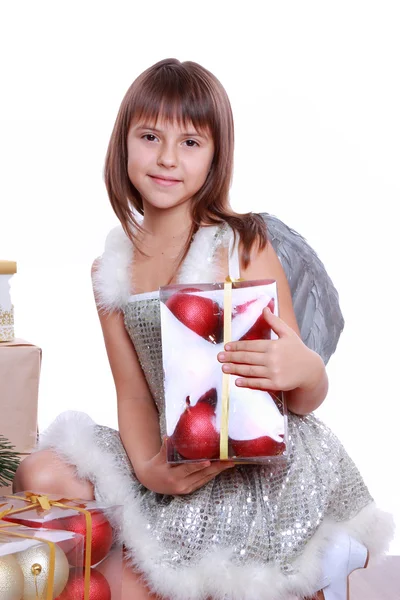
(214, 575)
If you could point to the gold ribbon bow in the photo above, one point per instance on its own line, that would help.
(44, 503)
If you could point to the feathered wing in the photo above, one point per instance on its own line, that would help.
(315, 298)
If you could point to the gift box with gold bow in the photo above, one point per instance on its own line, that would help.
(37, 564)
(208, 416)
(98, 524)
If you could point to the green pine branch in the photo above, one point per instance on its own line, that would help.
(9, 461)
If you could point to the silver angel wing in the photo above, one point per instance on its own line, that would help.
(315, 299)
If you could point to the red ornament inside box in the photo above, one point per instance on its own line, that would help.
(192, 330)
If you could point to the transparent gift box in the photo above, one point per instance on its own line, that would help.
(38, 564)
(207, 416)
(97, 523)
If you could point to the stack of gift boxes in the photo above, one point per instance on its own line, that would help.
(20, 363)
(51, 548)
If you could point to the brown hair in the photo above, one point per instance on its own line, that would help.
(188, 93)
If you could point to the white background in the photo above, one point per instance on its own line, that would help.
(315, 92)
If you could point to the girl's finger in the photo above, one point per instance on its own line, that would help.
(198, 482)
(187, 469)
(213, 470)
(257, 383)
(245, 370)
(243, 358)
(250, 346)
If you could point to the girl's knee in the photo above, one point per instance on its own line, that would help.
(33, 471)
(45, 472)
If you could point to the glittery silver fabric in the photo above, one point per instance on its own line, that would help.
(142, 321)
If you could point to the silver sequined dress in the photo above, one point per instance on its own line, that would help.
(254, 532)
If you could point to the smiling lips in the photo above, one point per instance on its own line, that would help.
(163, 180)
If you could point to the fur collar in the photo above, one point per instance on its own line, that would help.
(113, 279)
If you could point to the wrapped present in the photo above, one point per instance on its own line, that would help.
(98, 524)
(20, 364)
(7, 269)
(35, 563)
(207, 416)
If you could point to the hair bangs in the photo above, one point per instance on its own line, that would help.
(172, 96)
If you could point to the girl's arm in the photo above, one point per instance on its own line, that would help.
(138, 419)
(287, 363)
(137, 414)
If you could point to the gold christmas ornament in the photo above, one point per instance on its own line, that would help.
(35, 565)
(11, 578)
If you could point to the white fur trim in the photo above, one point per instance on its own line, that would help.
(113, 282)
(214, 575)
(199, 266)
(112, 279)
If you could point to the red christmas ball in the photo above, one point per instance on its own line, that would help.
(260, 330)
(201, 315)
(74, 590)
(195, 436)
(102, 534)
(261, 446)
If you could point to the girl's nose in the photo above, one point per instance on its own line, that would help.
(167, 156)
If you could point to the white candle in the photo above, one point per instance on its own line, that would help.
(7, 270)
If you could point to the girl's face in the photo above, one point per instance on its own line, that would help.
(168, 163)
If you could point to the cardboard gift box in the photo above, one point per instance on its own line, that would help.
(99, 524)
(207, 416)
(39, 564)
(20, 364)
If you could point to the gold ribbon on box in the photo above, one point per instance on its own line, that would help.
(44, 503)
(52, 550)
(223, 440)
(4, 513)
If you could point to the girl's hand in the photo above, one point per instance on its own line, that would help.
(165, 478)
(279, 365)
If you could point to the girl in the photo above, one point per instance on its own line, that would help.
(206, 530)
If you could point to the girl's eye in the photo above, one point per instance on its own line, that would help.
(149, 137)
(191, 143)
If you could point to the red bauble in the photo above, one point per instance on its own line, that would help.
(260, 330)
(74, 590)
(262, 446)
(102, 534)
(201, 315)
(195, 436)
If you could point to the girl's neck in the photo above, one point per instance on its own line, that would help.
(166, 227)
